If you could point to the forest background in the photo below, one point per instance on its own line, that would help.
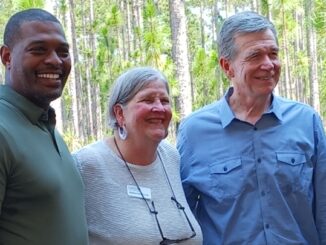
(179, 38)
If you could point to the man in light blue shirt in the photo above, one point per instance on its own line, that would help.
(253, 164)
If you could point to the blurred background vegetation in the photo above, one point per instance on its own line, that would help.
(179, 38)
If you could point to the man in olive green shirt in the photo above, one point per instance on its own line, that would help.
(41, 192)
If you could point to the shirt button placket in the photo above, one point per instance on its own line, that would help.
(262, 188)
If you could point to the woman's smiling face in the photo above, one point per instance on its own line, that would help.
(148, 113)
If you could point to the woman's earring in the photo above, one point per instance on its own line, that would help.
(122, 132)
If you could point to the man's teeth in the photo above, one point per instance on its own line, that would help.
(50, 76)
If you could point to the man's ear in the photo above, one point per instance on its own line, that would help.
(226, 67)
(5, 56)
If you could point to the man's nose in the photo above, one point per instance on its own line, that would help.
(53, 58)
(267, 63)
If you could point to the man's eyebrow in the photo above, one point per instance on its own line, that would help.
(35, 42)
(253, 52)
(257, 50)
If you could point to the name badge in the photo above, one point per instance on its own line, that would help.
(133, 191)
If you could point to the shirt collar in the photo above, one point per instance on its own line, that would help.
(29, 109)
(227, 115)
(276, 108)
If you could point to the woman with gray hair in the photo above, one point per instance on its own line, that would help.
(132, 184)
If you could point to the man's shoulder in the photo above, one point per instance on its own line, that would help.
(5, 105)
(285, 104)
(8, 114)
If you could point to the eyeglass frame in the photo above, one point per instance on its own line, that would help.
(165, 240)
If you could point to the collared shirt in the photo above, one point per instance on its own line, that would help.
(256, 184)
(41, 192)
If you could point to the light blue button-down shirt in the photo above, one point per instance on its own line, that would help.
(256, 184)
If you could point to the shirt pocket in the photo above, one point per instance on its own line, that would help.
(292, 171)
(226, 177)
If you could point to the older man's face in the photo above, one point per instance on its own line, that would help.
(255, 69)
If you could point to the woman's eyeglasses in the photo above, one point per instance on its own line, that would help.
(166, 241)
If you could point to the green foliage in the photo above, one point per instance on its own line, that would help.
(6, 9)
(25, 4)
(155, 36)
(149, 10)
(113, 18)
(205, 83)
(150, 43)
(193, 31)
(319, 22)
(73, 142)
(319, 17)
(264, 7)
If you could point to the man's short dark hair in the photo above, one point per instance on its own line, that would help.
(12, 30)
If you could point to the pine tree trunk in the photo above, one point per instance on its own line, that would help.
(180, 54)
(95, 107)
(202, 31)
(287, 82)
(75, 85)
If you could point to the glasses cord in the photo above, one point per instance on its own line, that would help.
(173, 198)
(165, 173)
(125, 162)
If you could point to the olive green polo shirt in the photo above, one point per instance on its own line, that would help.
(41, 192)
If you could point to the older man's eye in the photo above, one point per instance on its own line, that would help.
(274, 55)
(252, 56)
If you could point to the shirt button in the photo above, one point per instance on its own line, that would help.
(293, 160)
(267, 226)
(225, 169)
(255, 128)
(259, 160)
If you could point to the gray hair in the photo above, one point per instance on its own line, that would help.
(241, 23)
(127, 85)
